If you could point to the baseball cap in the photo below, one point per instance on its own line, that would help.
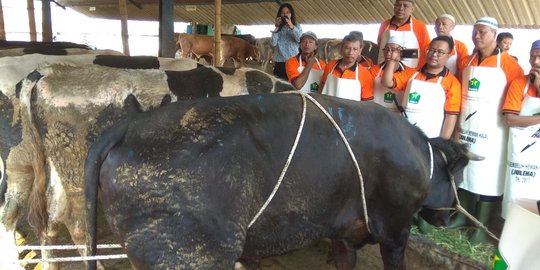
(309, 34)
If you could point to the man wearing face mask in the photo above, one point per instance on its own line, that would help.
(521, 111)
(413, 33)
(305, 70)
(444, 25)
(485, 76)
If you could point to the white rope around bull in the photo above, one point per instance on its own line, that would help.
(300, 128)
(280, 179)
(75, 259)
(67, 247)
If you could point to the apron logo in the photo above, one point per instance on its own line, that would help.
(474, 84)
(414, 97)
(313, 87)
(388, 97)
(498, 262)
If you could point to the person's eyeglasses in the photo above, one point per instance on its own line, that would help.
(432, 51)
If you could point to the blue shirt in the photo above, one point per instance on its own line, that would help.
(286, 43)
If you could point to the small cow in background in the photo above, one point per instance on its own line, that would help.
(203, 46)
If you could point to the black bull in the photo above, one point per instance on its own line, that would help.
(180, 185)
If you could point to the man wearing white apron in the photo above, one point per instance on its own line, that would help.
(432, 96)
(444, 25)
(522, 113)
(385, 96)
(484, 79)
(412, 31)
(305, 70)
(345, 78)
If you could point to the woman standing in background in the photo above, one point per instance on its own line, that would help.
(285, 38)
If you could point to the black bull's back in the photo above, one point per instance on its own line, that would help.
(188, 178)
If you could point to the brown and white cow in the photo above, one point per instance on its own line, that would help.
(64, 108)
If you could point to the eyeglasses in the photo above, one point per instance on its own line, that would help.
(432, 51)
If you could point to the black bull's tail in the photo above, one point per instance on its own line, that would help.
(96, 154)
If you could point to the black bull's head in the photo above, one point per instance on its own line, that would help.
(449, 160)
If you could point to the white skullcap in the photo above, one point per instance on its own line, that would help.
(396, 39)
(488, 21)
(450, 17)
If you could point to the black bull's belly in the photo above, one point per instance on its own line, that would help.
(180, 184)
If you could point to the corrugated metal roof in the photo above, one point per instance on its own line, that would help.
(509, 13)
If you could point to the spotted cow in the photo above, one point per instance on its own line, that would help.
(63, 108)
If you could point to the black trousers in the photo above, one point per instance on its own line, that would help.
(279, 70)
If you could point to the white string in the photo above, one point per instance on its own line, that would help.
(340, 132)
(280, 179)
(67, 247)
(430, 161)
(74, 259)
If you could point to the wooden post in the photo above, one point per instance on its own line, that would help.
(46, 24)
(217, 33)
(122, 8)
(2, 29)
(31, 20)
(167, 44)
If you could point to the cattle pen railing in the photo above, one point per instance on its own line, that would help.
(69, 259)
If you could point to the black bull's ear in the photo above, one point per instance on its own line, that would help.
(457, 154)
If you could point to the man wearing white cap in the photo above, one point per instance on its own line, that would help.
(521, 110)
(305, 70)
(414, 33)
(485, 76)
(444, 25)
(385, 96)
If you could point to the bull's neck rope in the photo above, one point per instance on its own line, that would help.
(460, 208)
(340, 132)
(430, 161)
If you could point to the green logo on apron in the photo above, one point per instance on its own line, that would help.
(474, 84)
(388, 97)
(498, 262)
(414, 97)
(313, 87)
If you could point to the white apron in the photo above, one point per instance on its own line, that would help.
(314, 77)
(451, 64)
(482, 128)
(409, 42)
(519, 245)
(385, 96)
(523, 167)
(343, 88)
(424, 104)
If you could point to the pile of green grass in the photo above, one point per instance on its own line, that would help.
(458, 242)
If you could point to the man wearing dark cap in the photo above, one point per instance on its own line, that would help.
(414, 33)
(485, 76)
(521, 111)
(305, 70)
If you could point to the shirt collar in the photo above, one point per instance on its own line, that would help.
(398, 26)
(351, 68)
(430, 76)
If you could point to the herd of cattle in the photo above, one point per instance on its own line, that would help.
(179, 183)
(242, 47)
